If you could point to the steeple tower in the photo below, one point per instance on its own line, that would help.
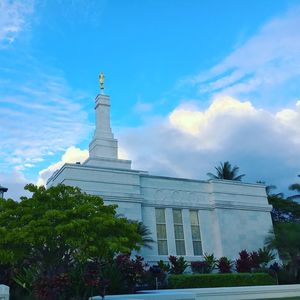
(103, 143)
(103, 149)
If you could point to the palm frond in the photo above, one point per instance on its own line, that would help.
(212, 176)
(227, 172)
(295, 187)
(145, 233)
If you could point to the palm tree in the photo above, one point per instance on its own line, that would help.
(145, 234)
(295, 187)
(285, 239)
(225, 171)
(269, 189)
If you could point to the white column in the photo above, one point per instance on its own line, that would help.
(149, 219)
(187, 232)
(170, 232)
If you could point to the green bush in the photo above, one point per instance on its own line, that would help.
(219, 280)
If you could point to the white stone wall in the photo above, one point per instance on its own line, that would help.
(211, 241)
(233, 216)
(242, 229)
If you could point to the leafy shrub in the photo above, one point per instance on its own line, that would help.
(92, 274)
(219, 280)
(94, 280)
(254, 260)
(164, 266)
(265, 256)
(133, 270)
(155, 277)
(117, 284)
(25, 278)
(205, 266)
(285, 277)
(275, 267)
(178, 265)
(52, 287)
(283, 274)
(224, 265)
(244, 263)
(210, 262)
(199, 267)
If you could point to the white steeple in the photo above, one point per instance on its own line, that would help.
(103, 149)
(103, 144)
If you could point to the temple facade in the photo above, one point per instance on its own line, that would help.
(186, 217)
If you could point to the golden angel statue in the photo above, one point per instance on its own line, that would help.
(101, 79)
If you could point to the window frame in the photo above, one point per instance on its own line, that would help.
(179, 240)
(161, 240)
(195, 239)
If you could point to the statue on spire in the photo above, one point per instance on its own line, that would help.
(101, 79)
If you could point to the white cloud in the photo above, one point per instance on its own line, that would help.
(122, 154)
(190, 120)
(72, 155)
(191, 141)
(263, 65)
(14, 18)
(15, 182)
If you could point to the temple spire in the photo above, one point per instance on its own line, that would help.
(103, 144)
(103, 149)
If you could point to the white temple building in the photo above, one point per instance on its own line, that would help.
(186, 217)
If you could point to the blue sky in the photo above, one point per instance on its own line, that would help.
(217, 80)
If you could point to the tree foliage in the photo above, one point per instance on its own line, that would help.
(286, 239)
(269, 189)
(295, 187)
(145, 233)
(59, 225)
(227, 172)
(284, 210)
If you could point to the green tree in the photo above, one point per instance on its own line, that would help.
(284, 210)
(285, 239)
(226, 171)
(57, 226)
(145, 234)
(285, 235)
(295, 187)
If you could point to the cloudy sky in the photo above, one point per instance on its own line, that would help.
(192, 83)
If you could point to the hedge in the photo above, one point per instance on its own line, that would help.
(219, 280)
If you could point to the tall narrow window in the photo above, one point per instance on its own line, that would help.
(178, 230)
(161, 230)
(196, 236)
